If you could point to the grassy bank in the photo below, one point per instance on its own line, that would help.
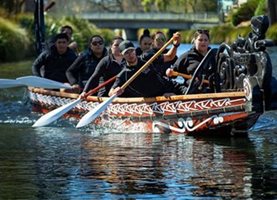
(16, 69)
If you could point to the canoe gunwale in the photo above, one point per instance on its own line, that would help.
(143, 99)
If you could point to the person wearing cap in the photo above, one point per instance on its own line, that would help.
(53, 63)
(148, 83)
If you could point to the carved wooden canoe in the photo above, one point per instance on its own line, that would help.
(189, 114)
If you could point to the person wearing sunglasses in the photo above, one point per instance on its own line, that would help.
(189, 61)
(159, 39)
(148, 83)
(107, 68)
(145, 43)
(83, 67)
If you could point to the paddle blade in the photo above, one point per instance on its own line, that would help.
(94, 113)
(55, 114)
(8, 83)
(35, 81)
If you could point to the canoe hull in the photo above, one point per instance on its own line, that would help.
(190, 114)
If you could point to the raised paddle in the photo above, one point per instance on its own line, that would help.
(94, 113)
(58, 112)
(33, 81)
(186, 76)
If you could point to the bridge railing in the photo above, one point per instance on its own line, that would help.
(203, 17)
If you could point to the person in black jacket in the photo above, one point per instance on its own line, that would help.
(148, 83)
(189, 61)
(84, 66)
(107, 68)
(53, 63)
(159, 39)
(71, 44)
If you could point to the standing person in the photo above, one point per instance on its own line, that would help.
(159, 39)
(107, 68)
(53, 63)
(189, 61)
(148, 83)
(145, 43)
(84, 66)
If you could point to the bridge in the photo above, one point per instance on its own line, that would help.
(131, 22)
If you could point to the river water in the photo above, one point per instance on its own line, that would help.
(62, 162)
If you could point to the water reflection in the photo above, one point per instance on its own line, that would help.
(62, 163)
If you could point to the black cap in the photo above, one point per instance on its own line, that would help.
(125, 46)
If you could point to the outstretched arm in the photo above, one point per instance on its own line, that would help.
(172, 52)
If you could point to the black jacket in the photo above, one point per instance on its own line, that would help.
(49, 64)
(107, 68)
(188, 61)
(83, 67)
(165, 65)
(149, 83)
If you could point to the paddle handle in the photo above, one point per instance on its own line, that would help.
(99, 86)
(186, 76)
(130, 80)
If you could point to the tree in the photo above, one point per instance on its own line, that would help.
(12, 6)
(180, 6)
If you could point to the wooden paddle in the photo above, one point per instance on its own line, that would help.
(204, 62)
(33, 81)
(94, 113)
(186, 76)
(58, 112)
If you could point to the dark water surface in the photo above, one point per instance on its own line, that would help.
(62, 162)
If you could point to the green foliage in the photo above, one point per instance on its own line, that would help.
(3, 12)
(245, 12)
(261, 9)
(22, 68)
(271, 32)
(14, 41)
(82, 30)
(26, 22)
(179, 6)
(147, 4)
(219, 34)
(11, 6)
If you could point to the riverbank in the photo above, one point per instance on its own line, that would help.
(16, 69)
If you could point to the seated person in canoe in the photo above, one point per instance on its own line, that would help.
(188, 62)
(83, 67)
(159, 39)
(71, 44)
(107, 68)
(53, 63)
(148, 83)
(145, 43)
